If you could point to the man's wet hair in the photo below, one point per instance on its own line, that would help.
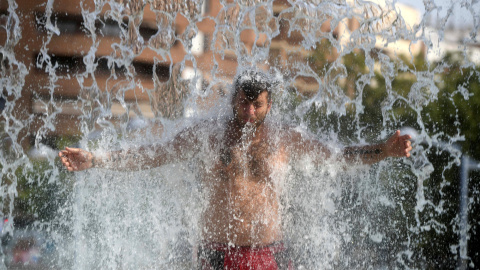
(253, 83)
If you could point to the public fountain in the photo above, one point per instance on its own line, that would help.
(140, 75)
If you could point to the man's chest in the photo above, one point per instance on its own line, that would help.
(247, 161)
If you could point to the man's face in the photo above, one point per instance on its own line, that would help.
(251, 111)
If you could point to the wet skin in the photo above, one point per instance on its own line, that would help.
(244, 205)
(243, 180)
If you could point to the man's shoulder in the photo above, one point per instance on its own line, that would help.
(283, 130)
(289, 135)
(209, 125)
(281, 135)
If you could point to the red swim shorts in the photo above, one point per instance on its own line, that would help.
(215, 256)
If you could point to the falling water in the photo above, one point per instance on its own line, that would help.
(139, 75)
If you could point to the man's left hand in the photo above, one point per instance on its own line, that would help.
(398, 146)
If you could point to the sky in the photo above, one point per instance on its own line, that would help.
(461, 17)
(414, 3)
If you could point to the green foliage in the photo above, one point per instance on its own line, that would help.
(458, 105)
(35, 192)
(41, 189)
(42, 186)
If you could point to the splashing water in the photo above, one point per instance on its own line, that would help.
(110, 75)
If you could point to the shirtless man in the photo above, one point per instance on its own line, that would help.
(241, 226)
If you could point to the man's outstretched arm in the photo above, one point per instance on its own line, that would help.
(145, 157)
(395, 146)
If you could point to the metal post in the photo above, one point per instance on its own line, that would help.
(463, 243)
(467, 165)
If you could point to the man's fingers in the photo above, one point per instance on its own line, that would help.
(64, 157)
(73, 150)
(407, 151)
(66, 163)
(73, 158)
(406, 137)
(399, 145)
(63, 153)
(395, 136)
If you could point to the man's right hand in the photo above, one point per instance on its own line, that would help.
(76, 159)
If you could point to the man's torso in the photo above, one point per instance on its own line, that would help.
(242, 183)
